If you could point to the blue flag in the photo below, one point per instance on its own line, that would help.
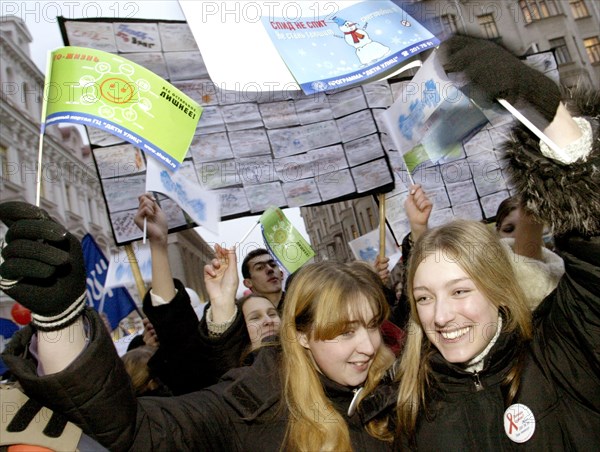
(7, 329)
(117, 301)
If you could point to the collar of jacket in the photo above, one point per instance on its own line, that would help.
(381, 401)
(340, 396)
(497, 363)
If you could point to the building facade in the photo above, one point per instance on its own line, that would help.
(69, 188)
(330, 227)
(571, 28)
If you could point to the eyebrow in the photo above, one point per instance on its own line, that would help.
(449, 283)
(270, 261)
(255, 311)
(251, 313)
(354, 323)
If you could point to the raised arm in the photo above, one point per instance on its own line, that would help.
(418, 208)
(561, 190)
(43, 269)
(157, 231)
(221, 280)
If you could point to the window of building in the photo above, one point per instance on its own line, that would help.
(449, 23)
(371, 219)
(68, 203)
(592, 47)
(579, 9)
(354, 231)
(362, 221)
(488, 26)
(25, 88)
(561, 51)
(3, 162)
(538, 9)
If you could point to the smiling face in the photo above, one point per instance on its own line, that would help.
(117, 90)
(455, 315)
(347, 358)
(262, 319)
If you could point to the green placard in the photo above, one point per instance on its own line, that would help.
(109, 92)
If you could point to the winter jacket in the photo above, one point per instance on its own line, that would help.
(188, 358)
(560, 383)
(242, 412)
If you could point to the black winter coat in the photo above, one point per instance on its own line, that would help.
(560, 382)
(188, 358)
(243, 412)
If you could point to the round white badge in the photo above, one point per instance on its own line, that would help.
(519, 422)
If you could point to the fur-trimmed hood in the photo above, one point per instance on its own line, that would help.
(566, 197)
(536, 277)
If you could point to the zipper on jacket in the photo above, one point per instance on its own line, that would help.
(354, 402)
(477, 382)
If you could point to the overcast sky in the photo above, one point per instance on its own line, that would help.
(40, 17)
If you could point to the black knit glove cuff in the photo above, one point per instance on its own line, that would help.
(42, 266)
(62, 320)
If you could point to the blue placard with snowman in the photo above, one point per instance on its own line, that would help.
(357, 44)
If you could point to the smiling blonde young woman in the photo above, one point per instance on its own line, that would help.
(332, 346)
(462, 293)
(480, 371)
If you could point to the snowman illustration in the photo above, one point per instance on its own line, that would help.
(367, 50)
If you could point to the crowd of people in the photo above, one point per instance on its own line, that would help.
(501, 347)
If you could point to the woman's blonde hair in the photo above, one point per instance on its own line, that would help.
(477, 250)
(321, 301)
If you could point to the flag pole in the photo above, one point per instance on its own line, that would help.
(381, 224)
(137, 275)
(412, 182)
(47, 79)
(246, 235)
(38, 190)
(527, 123)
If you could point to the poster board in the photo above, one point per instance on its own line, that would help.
(254, 149)
(472, 183)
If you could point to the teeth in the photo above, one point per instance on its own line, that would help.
(454, 334)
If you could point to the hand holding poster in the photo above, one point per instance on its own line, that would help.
(106, 91)
(284, 242)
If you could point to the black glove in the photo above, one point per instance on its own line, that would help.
(43, 266)
(498, 74)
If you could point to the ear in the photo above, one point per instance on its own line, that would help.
(247, 283)
(303, 340)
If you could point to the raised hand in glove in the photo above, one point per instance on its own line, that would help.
(42, 266)
(498, 74)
